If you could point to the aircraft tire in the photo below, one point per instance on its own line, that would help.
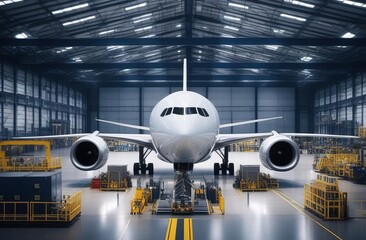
(216, 169)
(136, 169)
(150, 168)
(231, 169)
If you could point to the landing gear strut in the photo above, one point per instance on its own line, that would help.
(225, 167)
(141, 167)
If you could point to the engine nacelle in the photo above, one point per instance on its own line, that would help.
(279, 153)
(89, 153)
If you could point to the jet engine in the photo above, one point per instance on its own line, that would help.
(279, 153)
(89, 153)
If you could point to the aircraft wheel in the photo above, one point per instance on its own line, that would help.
(150, 168)
(231, 169)
(223, 169)
(216, 169)
(143, 169)
(136, 169)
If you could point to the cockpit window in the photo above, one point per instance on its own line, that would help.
(178, 110)
(163, 113)
(184, 111)
(191, 110)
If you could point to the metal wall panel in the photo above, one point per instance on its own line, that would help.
(150, 97)
(274, 102)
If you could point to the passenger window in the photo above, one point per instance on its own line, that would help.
(200, 111)
(205, 112)
(163, 113)
(178, 111)
(168, 112)
(191, 110)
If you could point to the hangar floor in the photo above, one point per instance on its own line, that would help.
(257, 215)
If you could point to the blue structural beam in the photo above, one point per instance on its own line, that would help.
(184, 41)
(120, 66)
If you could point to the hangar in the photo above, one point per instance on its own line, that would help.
(66, 63)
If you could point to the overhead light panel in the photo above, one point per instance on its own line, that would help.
(280, 31)
(178, 25)
(142, 18)
(111, 48)
(135, 6)
(21, 36)
(143, 29)
(292, 17)
(2, 3)
(227, 35)
(232, 18)
(64, 50)
(348, 35)
(231, 28)
(353, 3)
(78, 20)
(306, 59)
(68, 9)
(231, 4)
(106, 32)
(149, 36)
(77, 59)
(303, 4)
(271, 47)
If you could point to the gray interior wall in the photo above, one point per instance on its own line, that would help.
(233, 105)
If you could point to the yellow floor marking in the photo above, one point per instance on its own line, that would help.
(302, 211)
(188, 229)
(172, 229)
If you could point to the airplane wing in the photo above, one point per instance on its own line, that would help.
(228, 139)
(248, 122)
(139, 139)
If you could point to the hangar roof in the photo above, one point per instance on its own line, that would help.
(226, 42)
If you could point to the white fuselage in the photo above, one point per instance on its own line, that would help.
(184, 127)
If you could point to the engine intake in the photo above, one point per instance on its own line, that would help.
(279, 153)
(89, 153)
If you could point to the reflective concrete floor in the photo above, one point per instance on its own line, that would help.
(259, 215)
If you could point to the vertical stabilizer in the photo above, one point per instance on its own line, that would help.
(185, 74)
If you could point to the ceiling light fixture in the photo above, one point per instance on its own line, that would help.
(306, 59)
(142, 29)
(292, 17)
(2, 3)
(303, 4)
(231, 4)
(231, 28)
(106, 32)
(232, 18)
(21, 35)
(68, 9)
(78, 20)
(348, 35)
(135, 6)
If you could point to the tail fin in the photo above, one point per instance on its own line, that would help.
(185, 74)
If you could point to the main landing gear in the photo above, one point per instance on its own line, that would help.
(141, 167)
(225, 166)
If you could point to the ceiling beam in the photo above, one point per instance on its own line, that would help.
(360, 42)
(121, 66)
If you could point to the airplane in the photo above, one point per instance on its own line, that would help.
(185, 130)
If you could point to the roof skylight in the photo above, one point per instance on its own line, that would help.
(231, 4)
(292, 17)
(2, 3)
(78, 20)
(68, 9)
(135, 6)
(142, 18)
(271, 47)
(280, 31)
(303, 4)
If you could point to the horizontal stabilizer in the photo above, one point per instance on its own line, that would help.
(248, 122)
(124, 125)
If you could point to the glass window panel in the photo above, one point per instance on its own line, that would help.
(20, 120)
(64, 96)
(46, 89)
(59, 93)
(36, 121)
(72, 97)
(36, 86)
(29, 85)
(8, 119)
(8, 79)
(53, 91)
(29, 124)
(358, 85)
(349, 89)
(333, 93)
(21, 82)
(72, 123)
